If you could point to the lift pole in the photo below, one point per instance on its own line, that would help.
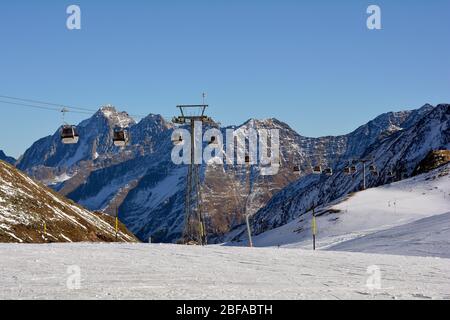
(194, 229)
(248, 185)
(363, 161)
(249, 231)
(247, 216)
(364, 176)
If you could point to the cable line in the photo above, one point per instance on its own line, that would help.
(60, 105)
(46, 103)
(40, 107)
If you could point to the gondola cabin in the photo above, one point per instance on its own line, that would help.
(178, 140)
(69, 135)
(213, 140)
(296, 169)
(317, 170)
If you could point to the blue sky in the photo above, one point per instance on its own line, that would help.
(312, 64)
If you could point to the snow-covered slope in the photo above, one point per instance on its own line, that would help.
(373, 217)
(425, 237)
(145, 271)
(32, 213)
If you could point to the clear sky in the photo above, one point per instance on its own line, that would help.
(313, 64)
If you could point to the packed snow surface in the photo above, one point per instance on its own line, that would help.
(146, 271)
(426, 237)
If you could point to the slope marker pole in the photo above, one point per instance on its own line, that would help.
(117, 221)
(314, 228)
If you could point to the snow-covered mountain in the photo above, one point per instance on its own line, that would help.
(148, 189)
(33, 213)
(410, 217)
(6, 158)
(399, 153)
(51, 161)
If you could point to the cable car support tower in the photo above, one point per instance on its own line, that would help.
(194, 229)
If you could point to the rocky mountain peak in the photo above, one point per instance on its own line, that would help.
(6, 158)
(114, 117)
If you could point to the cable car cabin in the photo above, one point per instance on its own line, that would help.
(213, 140)
(328, 171)
(178, 140)
(120, 137)
(296, 169)
(317, 169)
(69, 135)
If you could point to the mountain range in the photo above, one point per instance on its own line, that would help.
(141, 183)
(396, 156)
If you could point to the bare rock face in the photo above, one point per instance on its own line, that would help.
(33, 213)
(433, 160)
(148, 190)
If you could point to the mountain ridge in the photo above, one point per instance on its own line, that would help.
(33, 213)
(6, 158)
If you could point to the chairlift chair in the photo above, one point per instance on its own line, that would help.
(353, 169)
(296, 169)
(347, 170)
(373, 170)
(69, 135)
(328, 171)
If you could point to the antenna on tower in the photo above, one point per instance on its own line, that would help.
(203, 98)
